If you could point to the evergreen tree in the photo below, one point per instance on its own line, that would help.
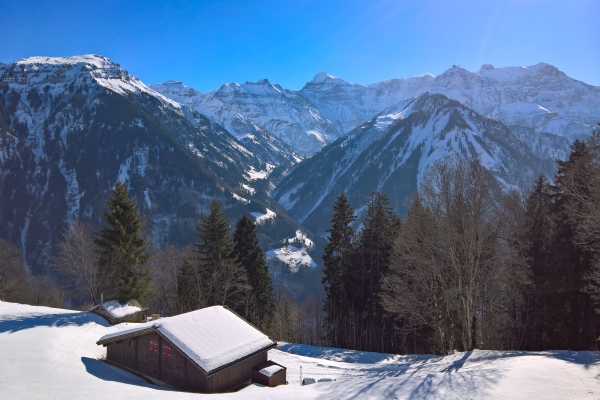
(575, 323)
(261, 306)
(536, 245)
(380, 228)
(221, 278)
(337, 262)
(122, 249)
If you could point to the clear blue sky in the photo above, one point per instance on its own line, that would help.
(207, 43)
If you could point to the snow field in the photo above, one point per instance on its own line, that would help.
(51, 353)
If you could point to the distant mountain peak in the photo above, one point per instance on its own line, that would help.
(324, 77)
(90, 59)
(486, 67)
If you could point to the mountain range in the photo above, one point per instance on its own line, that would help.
(72, 126)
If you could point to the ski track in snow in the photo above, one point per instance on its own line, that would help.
(52, 353)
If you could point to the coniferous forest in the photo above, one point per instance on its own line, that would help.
(473, 264)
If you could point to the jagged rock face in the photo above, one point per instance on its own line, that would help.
(539, 97)
(281, 112)
(177, 91)
(70, 127)
(391, 153)
(350, 105)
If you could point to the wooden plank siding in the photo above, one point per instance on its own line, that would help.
(236, 374)
(177, 370)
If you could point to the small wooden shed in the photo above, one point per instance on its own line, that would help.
(269, 374)
(116, 313)
(211, 350)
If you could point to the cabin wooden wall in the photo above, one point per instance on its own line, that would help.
(177, 370)
(235, 374)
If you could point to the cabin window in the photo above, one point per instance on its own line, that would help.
(130, 343)
(153, 346)
(167, 351)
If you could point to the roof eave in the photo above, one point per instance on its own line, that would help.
(222, 367)
(127, 335)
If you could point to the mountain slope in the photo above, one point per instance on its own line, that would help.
(539, 97)
(392, 152)
(72, 126)
(281, 112)
(261, 143)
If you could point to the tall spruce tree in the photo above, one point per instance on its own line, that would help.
(380, 228)
(337, 263)
(537, 249)
(221, 278)
(261, 305)
(122, 249)
(576, 325)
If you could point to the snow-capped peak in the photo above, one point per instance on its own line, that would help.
(324, 77)
(90, 59)
(485, 67)
(175, 83)
(60, 69)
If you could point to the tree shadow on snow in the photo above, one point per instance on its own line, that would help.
(344, 355)
(108, 372)
(23, 322)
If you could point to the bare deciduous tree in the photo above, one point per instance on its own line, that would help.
(13, 273)
(77, 258)
(166, 264)
(449, 262)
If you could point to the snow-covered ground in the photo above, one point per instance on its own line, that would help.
(52, 353)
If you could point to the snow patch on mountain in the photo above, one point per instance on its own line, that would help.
(260, 218)
(294, 257)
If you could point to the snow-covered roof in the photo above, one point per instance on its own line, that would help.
(118, 310)
(271, 370)
(212, 337)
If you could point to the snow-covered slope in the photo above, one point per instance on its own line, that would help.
(52, 353)
(392, 152)
(349, 105)
(294, 252)
(263, 144)
(177, 91)
(278, 111)
(539, 97)
(72, 126)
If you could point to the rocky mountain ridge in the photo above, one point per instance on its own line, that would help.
(72, 126)
(392, 152)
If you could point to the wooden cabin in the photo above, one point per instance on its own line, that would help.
(116, 313)
(211, 350)
(269, 374)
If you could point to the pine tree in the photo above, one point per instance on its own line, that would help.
(249, 253)
(122, 249)
(337, 262)
(222, 279)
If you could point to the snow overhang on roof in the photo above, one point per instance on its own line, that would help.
(118, 310)
(211, 337)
